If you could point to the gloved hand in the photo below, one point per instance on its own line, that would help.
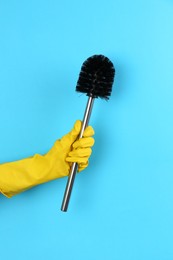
(18, 176)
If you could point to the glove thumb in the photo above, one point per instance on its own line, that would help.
(76, 130)
(69, 138)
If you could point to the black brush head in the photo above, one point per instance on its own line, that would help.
(96, 77)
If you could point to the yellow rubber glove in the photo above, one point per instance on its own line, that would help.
(18, 176)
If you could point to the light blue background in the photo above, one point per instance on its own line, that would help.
(122, 205)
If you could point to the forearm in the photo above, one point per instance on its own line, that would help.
(21, 175)
(18, 176)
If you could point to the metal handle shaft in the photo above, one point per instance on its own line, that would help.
(74, 167)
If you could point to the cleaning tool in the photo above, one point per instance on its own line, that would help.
(95, 80)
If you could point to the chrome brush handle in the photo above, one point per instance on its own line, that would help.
(74, 166)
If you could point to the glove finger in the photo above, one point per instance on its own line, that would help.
(80, 152)
(84, 142)
(77, 159)
(89, 131)
(82, 166)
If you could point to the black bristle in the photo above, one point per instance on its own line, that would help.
(96, 77)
